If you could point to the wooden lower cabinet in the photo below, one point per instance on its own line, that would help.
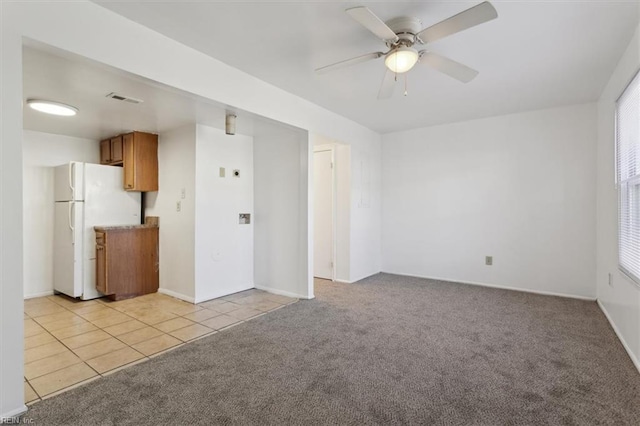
(127, 261)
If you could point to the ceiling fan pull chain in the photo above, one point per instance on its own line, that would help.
(405, 85)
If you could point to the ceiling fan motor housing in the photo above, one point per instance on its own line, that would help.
(406, 28)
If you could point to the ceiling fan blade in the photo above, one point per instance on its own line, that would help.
(476, 15)
(370, 21)
(448, 66)
(349, 62)
(388, 84)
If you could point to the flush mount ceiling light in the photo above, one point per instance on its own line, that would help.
(51, 107)
(402, 59)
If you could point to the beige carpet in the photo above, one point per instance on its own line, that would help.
(386, 350)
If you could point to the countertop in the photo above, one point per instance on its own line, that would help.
(121, 227)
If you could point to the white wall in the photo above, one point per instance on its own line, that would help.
(41, 152)
(176, 171)
(366, 205)
(621, 302)
(520, 188)
(223, 247)
(343, 215)
(59, 24)
(281, 199)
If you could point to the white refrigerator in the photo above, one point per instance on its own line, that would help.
(86, 195)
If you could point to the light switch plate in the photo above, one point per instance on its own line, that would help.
(222, 172)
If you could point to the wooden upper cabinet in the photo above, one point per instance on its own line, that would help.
(105, 151)
(116, 149)
(111, 151)
(140, 155)
(137, 152)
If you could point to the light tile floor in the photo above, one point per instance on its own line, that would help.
(70, 342)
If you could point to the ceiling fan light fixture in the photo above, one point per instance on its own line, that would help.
(51, 107)
(402, 59)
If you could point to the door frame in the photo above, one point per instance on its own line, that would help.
(334, 214)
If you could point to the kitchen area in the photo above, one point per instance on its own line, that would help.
(103, 243)
(146, 225)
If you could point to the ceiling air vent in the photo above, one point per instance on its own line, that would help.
(119, 97)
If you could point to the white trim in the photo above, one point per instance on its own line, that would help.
(524, 290)
(620, 337)
(362, 277)
(208, 298)
(628, 276)
(177, 295)
(41, 294)
(283, 292)
(13, 414)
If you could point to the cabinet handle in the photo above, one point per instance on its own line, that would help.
(99, 248)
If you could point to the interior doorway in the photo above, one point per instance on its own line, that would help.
(324, 213)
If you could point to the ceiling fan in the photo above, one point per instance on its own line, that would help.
(401, 34)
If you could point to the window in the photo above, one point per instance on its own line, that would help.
(628, 178)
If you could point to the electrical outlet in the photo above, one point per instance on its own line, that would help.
(488, 260)
(183, 193)
(178, 206)
(610, 280)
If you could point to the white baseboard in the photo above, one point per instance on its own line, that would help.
(283, 292)
(358, 279)
(13, 415)
(620, 337)
(176, 295)
(42, 294)
(502, 287)
(217, 296)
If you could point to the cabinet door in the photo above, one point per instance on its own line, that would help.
(101, 269)
(105, 151)
(129, 162)
(116, 149)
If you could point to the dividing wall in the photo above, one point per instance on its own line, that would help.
(175, 204)
(282, 202)
(223, 245)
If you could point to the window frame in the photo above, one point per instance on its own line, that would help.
(635, 181)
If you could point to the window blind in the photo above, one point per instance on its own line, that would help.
(628, 178)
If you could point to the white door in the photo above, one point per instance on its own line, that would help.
(323, 214)
(67, 248)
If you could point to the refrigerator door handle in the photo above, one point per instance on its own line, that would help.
(71, 175)
(72, 217)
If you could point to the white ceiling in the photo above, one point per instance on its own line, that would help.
(537, 54)
(52, 74)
